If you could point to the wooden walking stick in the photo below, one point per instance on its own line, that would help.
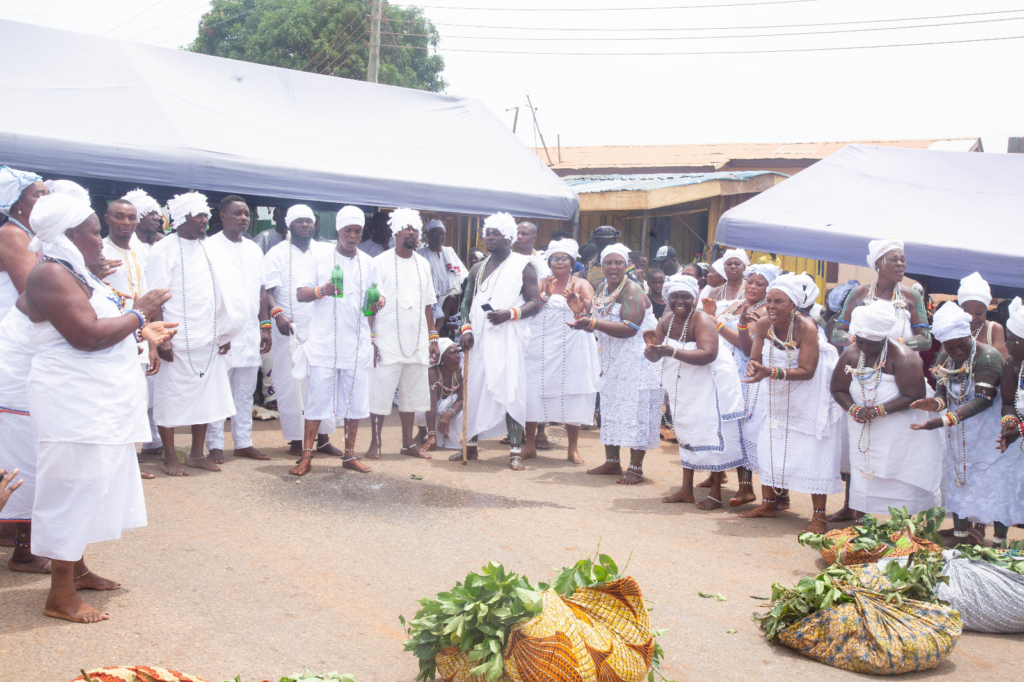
(465, 408)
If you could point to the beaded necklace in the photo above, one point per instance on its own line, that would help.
(899, 302)
(964, 376)
(17, 222)
(604, 303)
(789, 345)
(479, 286)
(446, 391)
(420, 317)
(865, 376)
(543, 364)
(1017, 405)
(291, 285)
(184, 314)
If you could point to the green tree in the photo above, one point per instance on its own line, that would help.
(329, 37)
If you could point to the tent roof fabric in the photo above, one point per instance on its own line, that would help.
(957, 212)
(112, 109)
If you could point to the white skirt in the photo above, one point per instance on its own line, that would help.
(183, 398)
(637, 428)
(579, 409)
(84, 493)
(876, 495)
(18, 443)
(709, 460)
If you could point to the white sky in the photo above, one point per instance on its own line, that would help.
(956, 90)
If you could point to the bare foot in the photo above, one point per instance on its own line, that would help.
(429, 444)
(202, 463)
(373, 452)
(543, 445)
(356, 465)
(681, 495)
(91, 581)
(608, 468)
(251, 452)
(706, 483)
(303, 466)
(574, 456)
(146, 475)
(471, 453)
(295, 448)
(153, 451)
(414, 451)
(709, 503)
(216, 456)
(782, 503)
(816, 526)
(30, 564)
(173, 468)
(844, 514)
(745, 495)
(327, 448)
(75, 610)
(764, 510)
(515, 463)
(629, 478)
(530, 453)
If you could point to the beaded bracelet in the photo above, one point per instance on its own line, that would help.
(139, 314)
(465, 328)
(742, 327)
(853, 410)
(949, 419)
(265, 324)
(631, 325)
(593, 323)
(544, 298)
(516, 314)
(720, 325)
(433, 337)
(941, 402)
(880, 410)
(275, 312)
(1009, 418)
(318, 292)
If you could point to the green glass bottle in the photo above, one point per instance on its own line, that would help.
(338, 280)
(369, 299)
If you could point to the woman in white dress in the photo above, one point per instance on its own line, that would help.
(561, 366)
(446, 399)
(630, 386)
(1012, 390)
(798, 444)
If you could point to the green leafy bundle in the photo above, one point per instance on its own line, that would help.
(872, 533)
(584, 573)
(918, 578)
(310, 677)
(993, 556)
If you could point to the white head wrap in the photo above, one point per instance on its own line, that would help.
(143, 203)
(615, 248)
(791, 287)
(51, 217)
(766, 270)
(737, 253)
(974, 288)
(1015, 323)
(401, 218)
(504, 223)
(566, 246)
(12, 183)
(184, 205)
(294, 213)
(350, 215)
(950, 322)
(873, 322)
(680, 283)
(443, 344)
(810, 288)
(719, 266)
(879, 247)
(69, 186)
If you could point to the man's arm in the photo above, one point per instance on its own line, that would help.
(264, 314)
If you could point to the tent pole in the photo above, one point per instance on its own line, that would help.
(643, 237)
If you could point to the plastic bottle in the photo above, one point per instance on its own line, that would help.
(338, 280)
(369, 299)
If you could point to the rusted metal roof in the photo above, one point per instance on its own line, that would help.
(584, 184)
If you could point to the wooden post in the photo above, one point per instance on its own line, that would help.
(465, 408)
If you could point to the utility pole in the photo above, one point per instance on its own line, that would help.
(373, 63)
(537, 127)
(514, 120)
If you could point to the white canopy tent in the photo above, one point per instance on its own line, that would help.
(957, 212)
(85, 106)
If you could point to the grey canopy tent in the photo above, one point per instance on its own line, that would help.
(957, 212)
(101, 108)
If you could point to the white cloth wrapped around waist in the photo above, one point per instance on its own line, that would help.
(702, 398)
(565, 358)
(16, 353)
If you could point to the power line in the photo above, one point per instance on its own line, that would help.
(670, 54)
(603, 9)
(216, 23)
(719, 37)
(171, 21)
(350, 46)
(714, 28)
(133, 18)
(331, 42)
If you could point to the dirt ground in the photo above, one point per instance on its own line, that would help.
(254, 572)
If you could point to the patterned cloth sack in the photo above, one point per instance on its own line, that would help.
(870, 636)
(989, 598)
(905, 544)
(136, 673)
(597, 634)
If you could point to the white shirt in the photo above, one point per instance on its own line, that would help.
(401, 327)
(372, 248)
(138, 245)
(285, 268)
(446, 270)
(339, 333)
(240, 263)
(129, 279)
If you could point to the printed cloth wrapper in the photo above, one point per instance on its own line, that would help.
(597, 634)
(136, 673)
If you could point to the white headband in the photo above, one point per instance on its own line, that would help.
(873, 322)
(143, 203)
(791, 287)
(567, 246)
(1015, 323)
(615, 248)
(950, 322)
(298, 211)
(52, 216)
(879, 247)
(683, 283)
(766, 270)
(974, 288)
(12, 183)
(402, 218)
(503, 223)
(737, 253)
(184, 205)
(69, 186)
(719, 266)
(350, 215)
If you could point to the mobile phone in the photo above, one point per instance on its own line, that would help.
(487, 307)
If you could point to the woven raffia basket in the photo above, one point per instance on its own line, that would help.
(843, 536)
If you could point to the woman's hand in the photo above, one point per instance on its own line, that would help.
(164, 352)
(1009, 434)
(223, 350)
(583, 324)
(656, 352)
(266, 341)
(151, 302)
(756, 372)
(929, 425)
(444, 423)
(154, 361)
(926, 404)
(284, 324)
(466, 341)
(105, 268)
(547, 286)
(710, 307)
(159, 333)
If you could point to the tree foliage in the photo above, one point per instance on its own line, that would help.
(329, 37)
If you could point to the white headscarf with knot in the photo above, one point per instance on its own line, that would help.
(181, 206)
(443, 344)
(879, 247)
(69, 186)
(350, 215)
(766, 270)
(791, 287)
(974, 288)
(873, 322)
(950, 322)
(294, 213)
(567, 246)
(401, 218)
(503, 223)
(12, 183)
(1015, 323)
(737, 253)
(615, 248)
(719, 267)
(52, 216)
(810, 289)
(683, 283)
(143, 203)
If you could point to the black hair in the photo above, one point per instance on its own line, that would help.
(652, 271)
(588, 252)
(230, 199)
(561, 234)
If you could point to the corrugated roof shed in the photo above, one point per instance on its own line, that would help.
(583, 184)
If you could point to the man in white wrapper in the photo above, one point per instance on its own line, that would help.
(449, 274)
(335, 360)
(875, 381)
(704, 392)
(405, 341)
(798, 445)
(87, 479)
(286, 267)
(503, 291)
(561, 366)
(240, 261)
(192, 388)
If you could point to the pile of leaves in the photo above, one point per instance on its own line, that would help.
(1011, 561)
(307, 676)
(917, 578)
(871, 534)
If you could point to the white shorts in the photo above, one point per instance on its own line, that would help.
(329, 392)
(409, 380)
